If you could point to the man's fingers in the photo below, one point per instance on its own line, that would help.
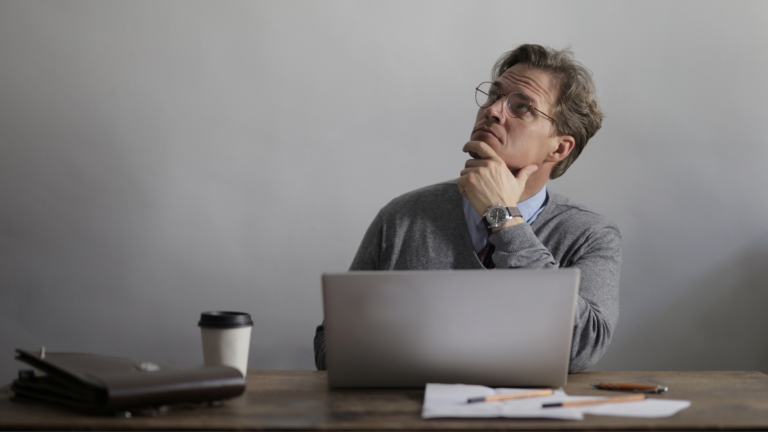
(460, 182)
(479, 150)
(470, 163)
(524, 173)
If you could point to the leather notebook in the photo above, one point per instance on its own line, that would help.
(101, 384)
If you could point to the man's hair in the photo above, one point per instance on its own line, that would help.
(576, 111)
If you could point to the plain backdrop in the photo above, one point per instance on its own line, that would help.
(163, 158)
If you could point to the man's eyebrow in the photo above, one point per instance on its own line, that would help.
(535, 101)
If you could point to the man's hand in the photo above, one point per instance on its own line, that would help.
(486, 180)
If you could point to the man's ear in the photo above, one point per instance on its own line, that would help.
(565, 144)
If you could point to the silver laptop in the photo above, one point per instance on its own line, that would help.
(408, 328)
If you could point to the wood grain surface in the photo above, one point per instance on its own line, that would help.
(301, 400)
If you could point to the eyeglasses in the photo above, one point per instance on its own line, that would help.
(517, 103)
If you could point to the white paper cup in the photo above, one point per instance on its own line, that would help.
(226, 339)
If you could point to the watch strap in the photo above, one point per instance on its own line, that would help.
(487, 224)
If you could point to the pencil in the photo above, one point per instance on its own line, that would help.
(506, 396)
(631, 398)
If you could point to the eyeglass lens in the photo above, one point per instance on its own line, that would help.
(517, 103)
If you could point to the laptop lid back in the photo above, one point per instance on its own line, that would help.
(409, 328)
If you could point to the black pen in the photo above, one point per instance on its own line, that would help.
(633, 387)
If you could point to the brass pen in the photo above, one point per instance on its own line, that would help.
(637, 388)
(507, 396)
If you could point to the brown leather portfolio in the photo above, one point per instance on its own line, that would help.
(102, 385)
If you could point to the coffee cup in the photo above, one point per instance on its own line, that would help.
(226, 338)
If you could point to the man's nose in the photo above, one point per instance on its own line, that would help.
(496, 110)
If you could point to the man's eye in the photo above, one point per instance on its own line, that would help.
(518, 109)
(493, 94)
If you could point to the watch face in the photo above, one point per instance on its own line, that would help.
(497, 216)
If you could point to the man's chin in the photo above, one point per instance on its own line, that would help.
(486, 137)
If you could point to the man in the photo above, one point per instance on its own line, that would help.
(534, 120)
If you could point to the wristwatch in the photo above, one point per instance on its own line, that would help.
(497, 215)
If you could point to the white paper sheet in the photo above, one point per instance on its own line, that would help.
(450, 400)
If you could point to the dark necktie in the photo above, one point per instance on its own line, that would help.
(485, 255)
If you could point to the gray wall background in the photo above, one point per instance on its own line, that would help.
(163, 158)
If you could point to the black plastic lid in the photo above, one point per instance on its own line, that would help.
(224, 320)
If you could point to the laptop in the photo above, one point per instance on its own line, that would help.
(500, 328)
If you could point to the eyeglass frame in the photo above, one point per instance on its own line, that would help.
(506, 104)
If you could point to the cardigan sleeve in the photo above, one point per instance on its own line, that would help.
(597, 253)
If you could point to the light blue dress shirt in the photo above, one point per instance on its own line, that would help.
(530, 209)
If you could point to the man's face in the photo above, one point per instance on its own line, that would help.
(524, 140)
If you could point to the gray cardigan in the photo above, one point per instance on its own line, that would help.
(426, 230)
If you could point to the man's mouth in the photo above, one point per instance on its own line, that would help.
(488, 131)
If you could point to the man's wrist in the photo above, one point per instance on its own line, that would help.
(499, 216)
(512, 222)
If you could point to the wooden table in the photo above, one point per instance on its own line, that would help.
(300, 400)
